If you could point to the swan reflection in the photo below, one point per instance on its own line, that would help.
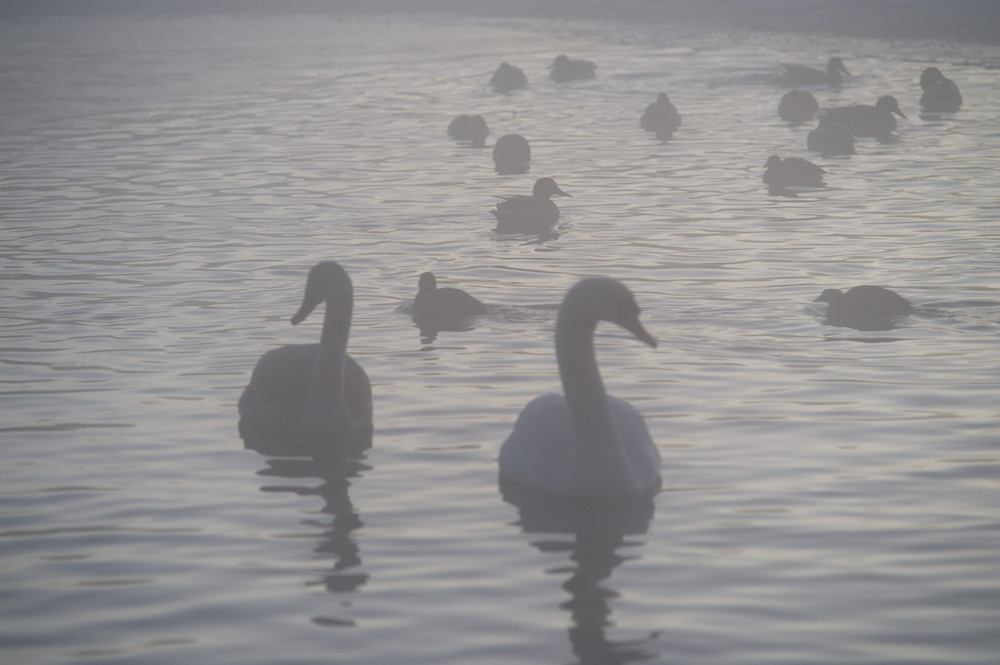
(598, 528)
(339, 522)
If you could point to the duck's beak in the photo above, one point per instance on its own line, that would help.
(562, 193)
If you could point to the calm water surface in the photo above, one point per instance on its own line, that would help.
(830, 495)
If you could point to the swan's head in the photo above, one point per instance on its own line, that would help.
(829, 296)
(889, 103)
(607, 299)
(327, 282)
(427, 282)
(836, 65)
(547, 187)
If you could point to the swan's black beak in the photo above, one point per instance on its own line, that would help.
(634, 326)
(308, 305)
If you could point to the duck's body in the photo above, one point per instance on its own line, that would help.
(797, 107)
(507, 78)
(864, 307)
(865, 120)
(564, 69)
(314, 390)
(792, 171)
(471, 128)
(795, 75)
(529, 214)
(442, 308)
(941, 94)
(584, 443)
(661, 117)
(511, 154)
(831, 140)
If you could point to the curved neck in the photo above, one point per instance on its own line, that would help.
(600, 457)
(325, 408)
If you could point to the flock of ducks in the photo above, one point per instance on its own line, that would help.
(584, 442)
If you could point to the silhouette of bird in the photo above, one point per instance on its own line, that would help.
(864, 307)
(507, 77)
(511, 154)
(801, 75)
(443, 308)
(866, 120)
(471, 128)
(941, 95)
(797, 107)
(661, 117)
(793, 171)
(529, 214)
(565, 69)
(831, 140)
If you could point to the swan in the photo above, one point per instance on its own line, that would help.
(529, 214)
(831, 140)
(796, 75)
(791, 171)
(661, 117)
(507, 77)
(864, 119)
(511, 154)
(941, 95)
(565, 69)
(586, 443)
(797, 107)
(315, 390)
(442, 307)
(864, 307)
(471, 128)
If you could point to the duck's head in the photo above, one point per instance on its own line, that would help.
(327, 282)
(835, 67)
(889, 103)
(560, 60)
(930, 76)
(427, 282)
(547, 187)
(662, 98)
(829, 296)
(772, 161)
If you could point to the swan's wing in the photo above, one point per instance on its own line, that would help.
(278, 386)
(358, 393)
(642, 453)
(539, 452)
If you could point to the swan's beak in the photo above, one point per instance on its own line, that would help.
(634, 326)
(308, 305)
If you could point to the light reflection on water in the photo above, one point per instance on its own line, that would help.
(166, 183)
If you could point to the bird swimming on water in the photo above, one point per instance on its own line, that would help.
(864, 307)
(443, 308)
(507, 77)
(941, 94)
(797, 107)
(792, 171)
(511, 154)
(312, 392)
(866, 120)
(564, 69)
(584, 443)
(831, 140)
(661, 117)
(801, 75)
(529, 214)
(471, 128)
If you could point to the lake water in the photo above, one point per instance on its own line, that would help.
(829, 495)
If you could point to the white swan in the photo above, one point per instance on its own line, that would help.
(586, 444)
(315, 390)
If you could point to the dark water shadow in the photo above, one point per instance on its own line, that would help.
(337, 521)
(598, 529)
(281, 443)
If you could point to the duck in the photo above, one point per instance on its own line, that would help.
(314, 390)
(529, 214)
(941, 95)
(584, 443)
(564, 69)
(792, 171)
(864, 307)
(800, 75)
(866, 120)
(442, 308)
(511, 154)
(508, 78)
(471, 128)
(831, 140)
(661, 117)
(797, 107)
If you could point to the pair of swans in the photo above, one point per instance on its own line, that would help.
(581, 444)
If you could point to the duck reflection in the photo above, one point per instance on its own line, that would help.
(599, 528)
(337, 540)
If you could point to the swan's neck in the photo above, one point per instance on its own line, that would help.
(325, 408)
(600, 457)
